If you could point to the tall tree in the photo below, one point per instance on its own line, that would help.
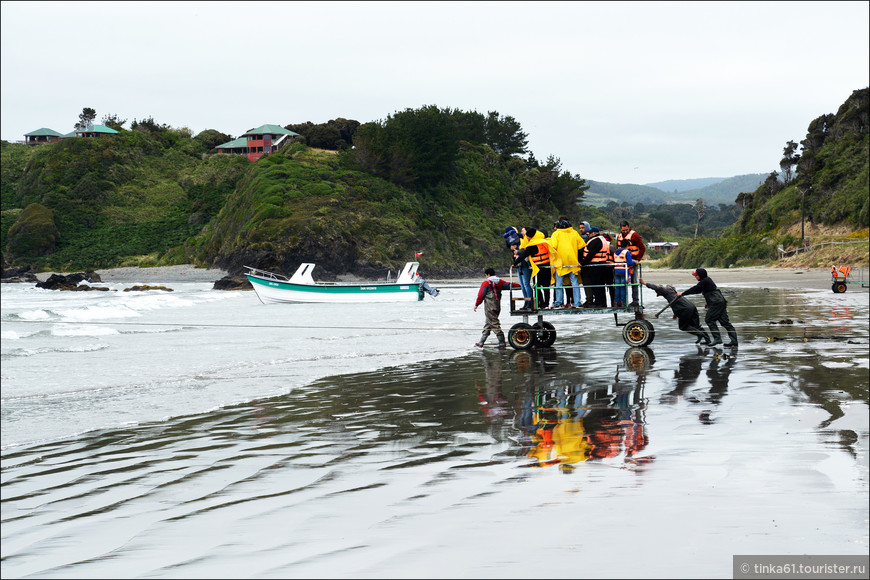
(789, 160)
(505, 135)
(700, 208)
(114, 121)
(86, 118)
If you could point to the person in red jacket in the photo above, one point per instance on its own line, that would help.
(490, 296)
(637, 249)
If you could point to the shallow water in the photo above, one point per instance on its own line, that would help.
(203, 434)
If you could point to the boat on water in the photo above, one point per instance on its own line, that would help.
(301, 287)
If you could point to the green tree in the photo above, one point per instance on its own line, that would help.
(86, 118)
(211, 138)
(505, 135)
(700, 208)
(789, 159)
(113, 121)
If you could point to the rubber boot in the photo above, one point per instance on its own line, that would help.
(732, 337)
(717, 338)
(702, 337)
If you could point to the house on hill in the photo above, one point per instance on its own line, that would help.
(42, 136)
(95, 131)
(258, 142)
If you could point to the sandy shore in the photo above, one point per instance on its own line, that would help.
(817, 278)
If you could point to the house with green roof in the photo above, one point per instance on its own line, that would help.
(257, 142)
(95, 131)
(42, 136)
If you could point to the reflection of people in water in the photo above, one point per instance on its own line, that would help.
(718, 375)
(575, 424)
(687, 373)
(494, 404)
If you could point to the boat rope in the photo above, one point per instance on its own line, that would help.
(770, 333)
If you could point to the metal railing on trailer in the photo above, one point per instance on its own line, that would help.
(524, 335)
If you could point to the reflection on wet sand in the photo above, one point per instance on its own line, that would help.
(560, 422)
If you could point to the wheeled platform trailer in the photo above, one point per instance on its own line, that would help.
(541, 333)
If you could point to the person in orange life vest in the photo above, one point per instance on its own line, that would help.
(622, 267)
(637, 249)
(537, 249)
(567, 243)
(593, 259)
(490, 295)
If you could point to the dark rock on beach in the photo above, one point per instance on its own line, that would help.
(71, 282)
(232, 283)
(19, 274)
(145, 287)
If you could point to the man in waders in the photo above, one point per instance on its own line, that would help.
(490, 295)
(716, 306)
(684, 311)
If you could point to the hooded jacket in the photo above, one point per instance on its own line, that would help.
(529, 247)
(707, 287)
(567, 243)
(586, 228)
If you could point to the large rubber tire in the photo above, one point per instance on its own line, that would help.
(637, 359)
(546, 334)
(521, 336)
(638, 333)
(838, 287)
(652, 330)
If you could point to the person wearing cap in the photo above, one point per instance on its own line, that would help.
(684, 311)
(566, 241)
(490, 295)
(593, 260)
(717, 306)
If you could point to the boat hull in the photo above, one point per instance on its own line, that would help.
(275, 291)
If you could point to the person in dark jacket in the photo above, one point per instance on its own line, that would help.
(717, 306)
(684, 311)
(593, 268)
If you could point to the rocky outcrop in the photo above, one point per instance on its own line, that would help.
(19, 274)
(232, 283)
(145, 287)
(72, 282)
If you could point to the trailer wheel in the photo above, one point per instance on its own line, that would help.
(521, 336)
(638, 333)
(546, 334)
(838, 287)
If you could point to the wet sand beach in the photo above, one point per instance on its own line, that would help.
(374, 441)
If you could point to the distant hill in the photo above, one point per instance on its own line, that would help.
(676, 185)
(717, 190)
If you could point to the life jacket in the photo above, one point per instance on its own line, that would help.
(632, 247)
(541, 257)
(620, 260)
(602, 256)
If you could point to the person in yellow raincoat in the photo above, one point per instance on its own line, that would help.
(567, 243)
(542, 257)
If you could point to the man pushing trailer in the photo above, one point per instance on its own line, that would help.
(684, 311)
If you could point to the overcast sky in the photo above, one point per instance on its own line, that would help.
(621, 92)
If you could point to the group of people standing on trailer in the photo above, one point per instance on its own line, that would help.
(590, 258)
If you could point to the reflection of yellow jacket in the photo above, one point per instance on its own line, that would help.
(538, 239)
(568, 444)
(567, 243)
